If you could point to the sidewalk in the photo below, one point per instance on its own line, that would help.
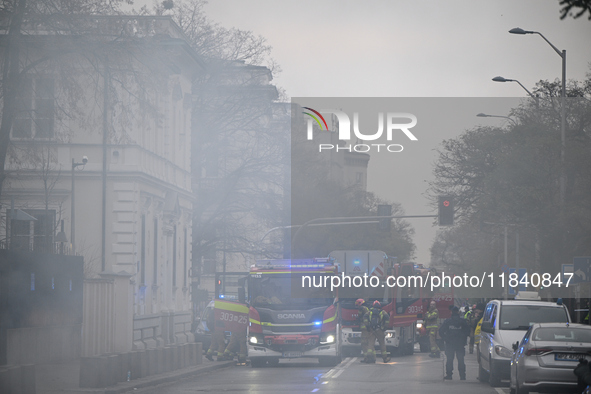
(64, 378)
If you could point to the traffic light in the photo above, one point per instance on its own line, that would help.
(446, 211)
(385, 210)
(219, 291)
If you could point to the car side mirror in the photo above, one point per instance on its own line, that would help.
(487, 327)
(515, 346)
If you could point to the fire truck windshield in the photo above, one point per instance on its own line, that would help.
(274, 291)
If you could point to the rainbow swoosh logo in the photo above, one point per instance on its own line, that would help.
(315, 118)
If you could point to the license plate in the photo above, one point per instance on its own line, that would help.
(356, 335)
(568, 357)
(292, 354)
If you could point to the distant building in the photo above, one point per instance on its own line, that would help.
(238, 168)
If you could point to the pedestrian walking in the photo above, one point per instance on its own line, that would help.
(431, 325)
(472, 318)
(454, 332)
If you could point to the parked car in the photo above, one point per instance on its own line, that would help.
(504, 323)
(545, 358)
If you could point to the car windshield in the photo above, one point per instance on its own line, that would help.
(562, 334)
(520, 317)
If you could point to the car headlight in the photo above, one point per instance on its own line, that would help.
(389, 334)
(503, 351)
(327, 338)
(256, 340)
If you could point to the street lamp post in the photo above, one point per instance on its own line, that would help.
(502, 79)
(481, 115)
(73, 210)
(562, 55)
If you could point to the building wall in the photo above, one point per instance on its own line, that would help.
(148, 188)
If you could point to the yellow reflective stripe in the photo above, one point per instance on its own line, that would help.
(227, 306)
(258, 322)
(404, 316)
(291, 272)
(329, 319)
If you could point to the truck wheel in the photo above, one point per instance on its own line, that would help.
(257, 362)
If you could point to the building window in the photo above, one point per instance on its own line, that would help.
(143, 253)
(185, 259)
(35, 109)
(209, 260)
(174, 257)
(155, 280)
(212, 162)
(33, 235)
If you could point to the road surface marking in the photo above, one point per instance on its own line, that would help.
(337, 371)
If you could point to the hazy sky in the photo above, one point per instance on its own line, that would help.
(412, 48)
(418, 48)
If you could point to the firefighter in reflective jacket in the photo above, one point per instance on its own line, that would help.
(237, 344)
(377, 322)
(218, 342)
(431, 326)
(362, 311)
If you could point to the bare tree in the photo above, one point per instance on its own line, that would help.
(510, 177)
(242, 138)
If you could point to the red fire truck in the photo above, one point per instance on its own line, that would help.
(405, 304)
(284, 324)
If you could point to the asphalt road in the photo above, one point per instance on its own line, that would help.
(406, 374)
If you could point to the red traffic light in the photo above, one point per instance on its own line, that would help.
(446, 211)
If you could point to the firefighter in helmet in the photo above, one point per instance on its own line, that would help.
(377, 321)
(237, 344)
(431, 324)
(362, 311)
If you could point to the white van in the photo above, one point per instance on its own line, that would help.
(503, 324)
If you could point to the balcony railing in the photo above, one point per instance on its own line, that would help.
(36, 244)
